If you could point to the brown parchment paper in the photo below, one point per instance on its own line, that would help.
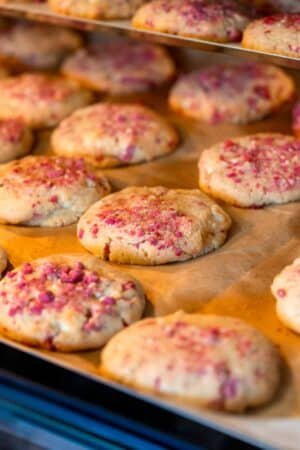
(234, 280)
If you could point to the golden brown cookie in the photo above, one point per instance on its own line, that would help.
(278, 34)
(48, 191)
(212, 361)
(109, 134)
(143, 225)
(239, 93)
(221, 21)
(120, 67)
(36, 46)
(67, 302)
(40, 100)
(252, 171)
(96, 9)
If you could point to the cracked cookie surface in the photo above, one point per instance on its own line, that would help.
(143, 225)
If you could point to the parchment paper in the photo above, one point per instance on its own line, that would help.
(234, 280)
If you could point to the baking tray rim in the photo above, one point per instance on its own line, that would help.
(202, 417)
(42, 13)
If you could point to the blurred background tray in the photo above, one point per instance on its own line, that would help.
(41, 12)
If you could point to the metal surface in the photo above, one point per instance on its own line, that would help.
(46, 393)
(44, 14)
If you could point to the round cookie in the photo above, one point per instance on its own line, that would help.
(114, 134)
(222, 21)
(67, 302)
(48, 191)
(40, 100)
(286, 290)
(36, 46)
(16, 139)
(120, 67)
(212, 361)
(143, 225)
(296, 119)
(279, 34)
(252, 171)
(96, 9)
(238, 93)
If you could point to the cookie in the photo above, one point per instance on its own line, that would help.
(296, 119)
(36, 46)
(143, 225)
(67, 302)
(40, 100)
(96, 9)
(114, 134)
(279, 34)
(238, 93)
(212, 361)
(222, 21)
(16, 139)
(252, 171)
(120, 67)
(286, 290)
(48, 191)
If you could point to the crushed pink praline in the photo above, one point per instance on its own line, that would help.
(197, 357)
(32, 88)
(198, 15)
(220, 84)
(49, 172)
(273, 161)
(149, 221)
(285, 20)
(50, 286)
(281, 293)
(131, 65)
(11, 130)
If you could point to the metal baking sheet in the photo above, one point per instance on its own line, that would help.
(41, 12)
(234, 280)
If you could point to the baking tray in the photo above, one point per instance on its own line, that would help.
(41, 12)
(234, 280)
